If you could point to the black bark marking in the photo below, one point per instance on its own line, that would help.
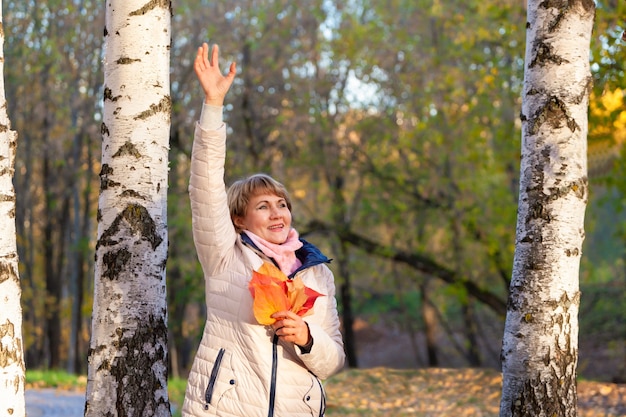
(537, 395)
(554, 395)
(126, 61)
(164, 106)
(104, 129)
(9, 355)
(108, 95)
(553, 112)
(563, 8)
(4, 197)
(127, 149)
(134, 372)
(151, 5)
(588, 5)
(538, 210)
(543, 54)
(163, 264)
(105, 182)
(566, 7)
(139, 221)
(585, 91)
(133, 194)
(579, 188)
(532, 92)
(7, 271)
(115, 263)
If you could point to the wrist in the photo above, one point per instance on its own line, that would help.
(306, 348)
(218, 102)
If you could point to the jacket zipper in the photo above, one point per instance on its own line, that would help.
(216, 367)
(270, 412)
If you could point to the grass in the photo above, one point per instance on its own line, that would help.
(176, 389)
(55, 379)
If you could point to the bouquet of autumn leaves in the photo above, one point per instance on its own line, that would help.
(272, 291)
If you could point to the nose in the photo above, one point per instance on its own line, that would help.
(274, 212)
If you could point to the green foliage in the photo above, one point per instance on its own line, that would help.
(176, 391)
(381, 304)
(602, 311)
(55, 379)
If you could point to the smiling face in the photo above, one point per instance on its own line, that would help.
(267, 216)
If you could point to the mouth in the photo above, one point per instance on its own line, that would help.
(276, 227)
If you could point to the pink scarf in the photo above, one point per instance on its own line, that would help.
(284, 254)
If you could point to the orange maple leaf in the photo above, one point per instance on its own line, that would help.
(273, 291)
(272, 270)
(301, 297)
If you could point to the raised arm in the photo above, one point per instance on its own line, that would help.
(213, 231)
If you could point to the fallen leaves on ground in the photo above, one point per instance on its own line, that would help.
(385, 392)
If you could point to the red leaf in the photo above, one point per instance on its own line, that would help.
(273, 292)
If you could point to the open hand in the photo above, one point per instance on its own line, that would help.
(214, 83)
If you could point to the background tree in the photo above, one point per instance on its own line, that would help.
(540, 344)
(128, 352)
(11, 346)
(58, 48)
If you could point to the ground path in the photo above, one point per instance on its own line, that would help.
(385, 392)
(50, 402)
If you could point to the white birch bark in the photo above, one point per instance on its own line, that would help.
(128, 350)
(540, 344)
(12, 368)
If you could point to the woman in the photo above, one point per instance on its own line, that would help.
(243, 368)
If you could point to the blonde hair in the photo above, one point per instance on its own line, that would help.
(241, 191)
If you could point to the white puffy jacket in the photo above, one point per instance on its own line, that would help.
(240, 369)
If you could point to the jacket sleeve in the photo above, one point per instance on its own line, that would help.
(327, 355)
(213, 231)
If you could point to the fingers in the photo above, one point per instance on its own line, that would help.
(232, 70)
(281, 316)
(204, 61)
(290, 327)
(201, 62)
(214, 55)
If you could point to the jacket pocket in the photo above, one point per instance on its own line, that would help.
(315, 397)
(208, 393)
(221, 381)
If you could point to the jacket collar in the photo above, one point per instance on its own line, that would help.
(308, 254)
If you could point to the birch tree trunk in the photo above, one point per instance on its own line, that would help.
(12, 369)
(128, 361)
(540, 344)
